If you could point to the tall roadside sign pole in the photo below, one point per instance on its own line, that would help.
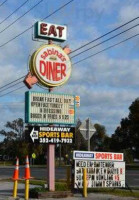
(51, 157)
(87, 130)
(50, 66)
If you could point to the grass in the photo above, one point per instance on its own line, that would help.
(132, 166)
(6, 163)
(58, 187)
(62, 186)
(119, 192)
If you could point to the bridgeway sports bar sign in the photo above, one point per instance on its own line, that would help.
(104, 169)
(49, 108)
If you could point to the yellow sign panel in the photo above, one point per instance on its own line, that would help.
(33, 155)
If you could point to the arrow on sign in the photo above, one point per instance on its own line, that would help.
(34, 135)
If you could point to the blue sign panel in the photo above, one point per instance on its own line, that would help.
(83, 155)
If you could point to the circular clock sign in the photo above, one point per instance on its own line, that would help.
(51, 65)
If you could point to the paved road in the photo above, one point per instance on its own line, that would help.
(132, 176)
(91, 196)
(6, 189)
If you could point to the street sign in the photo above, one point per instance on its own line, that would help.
(87, 129)
(50, 31)
(49, 108)
(100, 174)
(50, 134)
(34, 156)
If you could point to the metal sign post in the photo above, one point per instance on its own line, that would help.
(51, 167)
(51, 160)
(88, 132)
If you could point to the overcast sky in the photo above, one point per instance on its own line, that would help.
(106, 83)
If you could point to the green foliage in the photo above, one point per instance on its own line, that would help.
(14, 144)
(80, 142)
(100, 141)
(118, 192)
(126, 136)
(128, 157)
(58, 187)
(61, 187)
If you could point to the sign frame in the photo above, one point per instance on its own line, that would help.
(38, 35)
(95, 174)
(96, 152)
(32, 66)
(50, 134)
(27, 109)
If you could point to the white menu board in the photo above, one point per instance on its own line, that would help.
(100, 174)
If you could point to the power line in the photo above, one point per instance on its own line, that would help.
(105, 41)
(30, 28)
(3, 3)
(87, 44)
(88, 57)
(11, 91)
(106, 34)
(74, 55)
(20, 17)
(9, 103)
(13, 12)
(106, 49)
(11, 86)
(12, 82)
(32, 25)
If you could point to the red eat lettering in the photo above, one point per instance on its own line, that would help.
(60, 28)
(43, 29)
(52, 30)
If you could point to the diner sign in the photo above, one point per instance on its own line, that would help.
(51, 65)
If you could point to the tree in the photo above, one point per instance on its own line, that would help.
(14, 130)
(80, 142)
(100, 141)
(14, 143)
(126, 136)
